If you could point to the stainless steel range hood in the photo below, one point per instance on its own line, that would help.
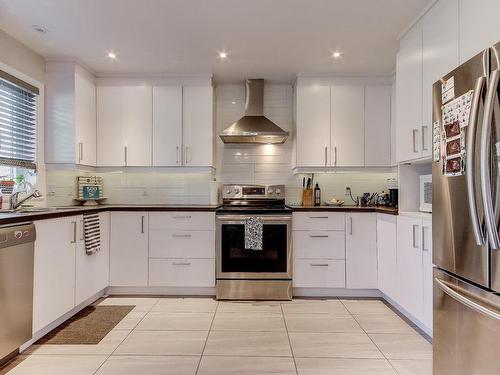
(254, 127)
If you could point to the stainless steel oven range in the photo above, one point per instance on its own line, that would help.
(254, 274)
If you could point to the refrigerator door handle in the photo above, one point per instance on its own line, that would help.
(470, 172)
(449, 289)
(489, 211)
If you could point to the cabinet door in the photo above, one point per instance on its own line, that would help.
(478, 26)
(124, 125)
(54, 270)
(378, 126)
(348, 126)
(96, 265)
(410, 268)
(361, 251)
(167, 126)
(427, 271)
(409, 95)
(386, 253)
(313, 126)
(198, 129)
(85, 119)
(129, 249)
(440, 55)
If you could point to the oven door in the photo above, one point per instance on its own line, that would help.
(274, 261)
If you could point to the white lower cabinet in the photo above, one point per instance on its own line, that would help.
(182, 249)
(92, 271)
(427, 271)
(129, 249)
(318, 250)
(54, 270)
(361, 251)
(387, 255)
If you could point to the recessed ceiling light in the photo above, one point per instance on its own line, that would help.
(336, 54)
(111, 55)
(40, 29)
(223, 55)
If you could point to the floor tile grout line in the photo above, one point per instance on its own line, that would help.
(206, 340)
(289, 341)
(122, 341)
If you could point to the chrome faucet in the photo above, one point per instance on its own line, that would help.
(15, 203)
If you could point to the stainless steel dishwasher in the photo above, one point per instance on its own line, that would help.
(16, 286)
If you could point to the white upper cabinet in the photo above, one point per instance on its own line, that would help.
(197, 114)
(70, 115)
(85, 118)
(313, 126)
(348, 126)
(124, 125)
(478, 26)
(409, 95)
(439, 56)
(167, 126)
(378, 125)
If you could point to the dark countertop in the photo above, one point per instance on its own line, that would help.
(54, 212)
(381, 209)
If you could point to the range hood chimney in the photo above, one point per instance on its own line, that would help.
(254, 127)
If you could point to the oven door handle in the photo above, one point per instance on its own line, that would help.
(242, 218)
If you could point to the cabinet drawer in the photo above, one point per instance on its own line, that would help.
(182, 220)
(319, 244)
(319, 273)
(318, 220)
(182, 272)
(181, 244)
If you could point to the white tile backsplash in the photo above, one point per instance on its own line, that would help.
(248, 164)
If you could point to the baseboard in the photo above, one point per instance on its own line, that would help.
(39, 334)
(160, 291)
(410, 317)
(335, 292)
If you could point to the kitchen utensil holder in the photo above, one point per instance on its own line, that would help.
(307, 197)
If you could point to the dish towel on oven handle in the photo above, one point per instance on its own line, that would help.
(92, 233)
(253, 233)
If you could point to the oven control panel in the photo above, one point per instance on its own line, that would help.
(253, 191)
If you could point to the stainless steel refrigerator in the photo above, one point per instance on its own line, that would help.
(466, 213)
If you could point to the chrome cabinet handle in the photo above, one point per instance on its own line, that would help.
(350, 225)
(83, 230)
(424, 143)
(177, 155)
(318, 217)
(319, 264)
(182, 217)
(326, 156)
(181, 263)
(424, 228)
(318, 235)
(142, 224)
(335, 155)
(489, 211)
(80, 151)
(186, 155)
(125, 150)
(470, 171)
(414, 240)
(415, 133)
(446, 288)
(181, 235)
(74, 232)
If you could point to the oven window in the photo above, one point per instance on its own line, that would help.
(272, 257)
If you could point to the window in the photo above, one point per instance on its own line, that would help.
(18, 117)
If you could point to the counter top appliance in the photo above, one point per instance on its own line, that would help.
(465, 206)
(244, 273)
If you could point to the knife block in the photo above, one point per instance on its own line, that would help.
(307, 197)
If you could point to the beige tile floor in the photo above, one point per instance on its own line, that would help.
(200, 336)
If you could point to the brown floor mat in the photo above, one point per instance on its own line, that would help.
(88, 327)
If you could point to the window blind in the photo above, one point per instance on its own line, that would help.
(18, 108)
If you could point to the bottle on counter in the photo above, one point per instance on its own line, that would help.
(317, 195)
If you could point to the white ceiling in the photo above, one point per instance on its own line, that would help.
(271, 39)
